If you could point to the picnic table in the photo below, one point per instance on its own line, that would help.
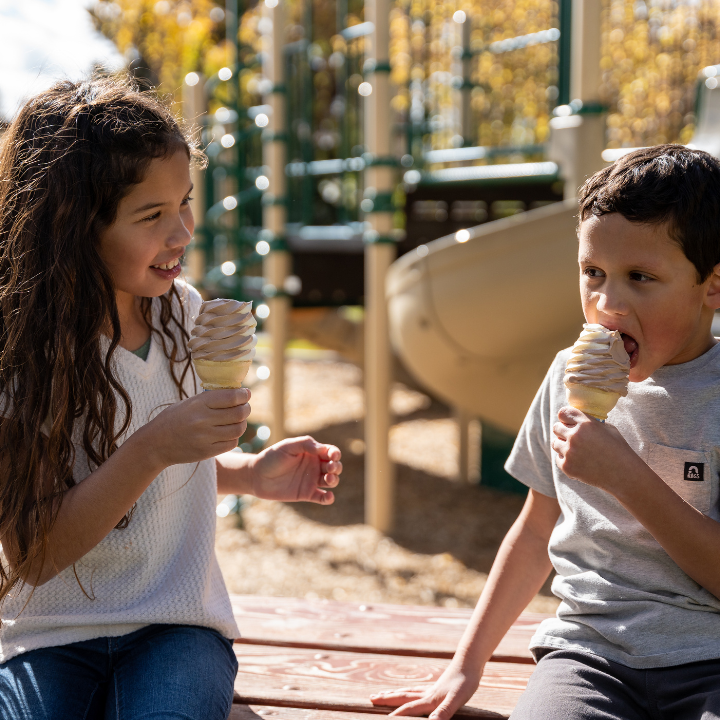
(321, 660)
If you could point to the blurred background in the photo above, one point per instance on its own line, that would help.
(392, 183)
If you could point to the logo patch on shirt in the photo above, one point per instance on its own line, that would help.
(695, 471)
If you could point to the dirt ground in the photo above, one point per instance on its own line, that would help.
(446, 533)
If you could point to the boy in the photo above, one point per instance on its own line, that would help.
(628, 510)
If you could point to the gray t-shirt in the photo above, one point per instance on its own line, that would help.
(623, 598)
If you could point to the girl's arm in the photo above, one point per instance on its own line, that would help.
(521, 567)
(296, 469)
(195, 429)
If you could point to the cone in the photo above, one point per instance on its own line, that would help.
(592, 401)
(216, 375)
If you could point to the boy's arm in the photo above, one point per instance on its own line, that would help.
(598, 455)
(521, 567)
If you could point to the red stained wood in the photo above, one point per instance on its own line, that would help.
(373, 628)
(263, 712)
(343, 681)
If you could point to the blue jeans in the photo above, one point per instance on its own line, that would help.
(163, 672)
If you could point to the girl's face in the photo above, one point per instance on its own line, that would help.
(154, 224)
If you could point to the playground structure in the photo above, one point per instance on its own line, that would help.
(437, 293)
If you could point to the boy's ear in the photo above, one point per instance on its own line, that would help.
(712, 295)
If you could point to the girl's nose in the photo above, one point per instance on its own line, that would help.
(182, 232)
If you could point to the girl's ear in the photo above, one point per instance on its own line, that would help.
(712, 294)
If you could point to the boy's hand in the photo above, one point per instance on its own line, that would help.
(297, 469)
(590, 451)
(201, 427)
(439, 701)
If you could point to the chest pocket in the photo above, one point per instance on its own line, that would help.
(687, 472)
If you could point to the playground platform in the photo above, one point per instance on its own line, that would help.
(321, 660)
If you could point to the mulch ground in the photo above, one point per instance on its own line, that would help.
(446, 533)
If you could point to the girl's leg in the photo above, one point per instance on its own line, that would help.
(68, 681)
(172, 672)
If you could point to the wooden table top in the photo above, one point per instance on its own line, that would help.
(321, 660)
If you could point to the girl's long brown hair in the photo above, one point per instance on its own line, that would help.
(66, 161)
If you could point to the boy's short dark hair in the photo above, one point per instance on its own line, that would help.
(664, 184)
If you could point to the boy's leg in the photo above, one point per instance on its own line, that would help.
(580, 686)
(67, 681)
(172, 672)
(687, 692)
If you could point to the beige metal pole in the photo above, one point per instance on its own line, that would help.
(276, 266)
(577, 140)
(380, 252)
(469, 430)
(193, 99)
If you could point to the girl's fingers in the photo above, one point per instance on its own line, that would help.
(329, 481)
(331, 468)
(231, 416)
(447, 708)
(218, 399)
(225, 433)
(322, 497)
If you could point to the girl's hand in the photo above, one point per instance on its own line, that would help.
(297, 469)
(590, 451)
(200, 427)
(440, 701)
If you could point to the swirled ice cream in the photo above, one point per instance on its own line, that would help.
(596, 376)
(223, 343)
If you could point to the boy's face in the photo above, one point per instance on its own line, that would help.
(634, 278)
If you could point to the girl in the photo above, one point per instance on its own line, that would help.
(113, 605)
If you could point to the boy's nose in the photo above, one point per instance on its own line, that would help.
(611, 303)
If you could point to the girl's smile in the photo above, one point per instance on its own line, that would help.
(154, 225)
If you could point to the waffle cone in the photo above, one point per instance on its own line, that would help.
(592, 401)
(216, 375)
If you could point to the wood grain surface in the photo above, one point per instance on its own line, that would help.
(373, 628)
(263, 712)
(343, 681)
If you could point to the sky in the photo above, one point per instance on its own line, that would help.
(42, 41)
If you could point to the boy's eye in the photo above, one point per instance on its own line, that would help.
(640, 277)
(593, 273)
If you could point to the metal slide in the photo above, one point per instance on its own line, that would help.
(478, 323)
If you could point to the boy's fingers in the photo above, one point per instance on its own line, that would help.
(322, 497)
(414, 708)
(332, 468)
(570, 415)
(447, 708)
(330, 481)
(559, 430)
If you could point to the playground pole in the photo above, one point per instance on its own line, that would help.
(276, 264)
(193, 98)
(578, 139)
(467, 86)
(379, 254)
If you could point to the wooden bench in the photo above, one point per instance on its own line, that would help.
(321, 660)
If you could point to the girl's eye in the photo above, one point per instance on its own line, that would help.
(155, 216)
(187, 200)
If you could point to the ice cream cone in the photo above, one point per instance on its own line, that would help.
(592, 401)
(216, 375)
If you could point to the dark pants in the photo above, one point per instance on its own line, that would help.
(570, 685)
(162, 672)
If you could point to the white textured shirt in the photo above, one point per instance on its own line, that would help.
(161, 568)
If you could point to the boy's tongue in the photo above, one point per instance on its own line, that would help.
(631, 347)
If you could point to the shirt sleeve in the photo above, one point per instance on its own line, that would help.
(531, 459)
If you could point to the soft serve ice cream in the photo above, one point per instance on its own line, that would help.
(596, 376)
(223, 343)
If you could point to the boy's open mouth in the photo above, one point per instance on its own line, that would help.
(631, 348)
